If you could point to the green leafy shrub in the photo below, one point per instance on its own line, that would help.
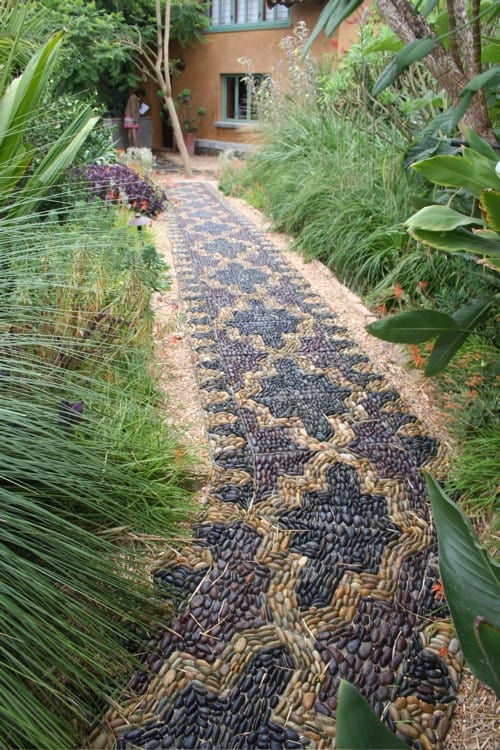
(444, 228)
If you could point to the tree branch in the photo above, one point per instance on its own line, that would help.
(452, 29)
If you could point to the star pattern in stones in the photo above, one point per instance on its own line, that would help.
(310, 397)
(269, 323)
(246, 279)
(339, 529)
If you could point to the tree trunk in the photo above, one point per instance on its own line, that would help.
(163, 78)
(452, 75)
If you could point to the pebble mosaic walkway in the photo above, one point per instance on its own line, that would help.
(315, 558)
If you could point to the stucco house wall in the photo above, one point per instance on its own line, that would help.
(205, 64)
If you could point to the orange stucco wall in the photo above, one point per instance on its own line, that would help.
(206, 63)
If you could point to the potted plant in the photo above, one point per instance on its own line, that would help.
(189, 118)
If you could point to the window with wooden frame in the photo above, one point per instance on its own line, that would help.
(237, 100)
(246, 14)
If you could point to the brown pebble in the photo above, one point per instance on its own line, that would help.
(308, 700)
(442, 729)
(425, 742)
(408, 730)
(100, 741)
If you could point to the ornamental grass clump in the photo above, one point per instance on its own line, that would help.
(89, 473)
(119, 184)
(88, 468)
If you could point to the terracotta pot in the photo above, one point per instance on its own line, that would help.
(190, 141)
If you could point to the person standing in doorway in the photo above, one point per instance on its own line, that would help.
(131, 118)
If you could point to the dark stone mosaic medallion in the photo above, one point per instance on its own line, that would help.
(314, 558)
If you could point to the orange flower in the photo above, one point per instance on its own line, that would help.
(398, 291)
(416, 356)
(476, 379)
(438, 591)
(422, 285)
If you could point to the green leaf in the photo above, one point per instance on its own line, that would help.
(387, 43)
(358, 726)
(331, 17)
(413, 327)
(489, 203)
(23, 96)
(472, 171)
(439, 218)
(59, 157)
(459, 240)
(412, 52)
(478, 144)
(459, 111)
(471, 581)
(429, 7)
(488, 638)
(447, 344)
(490, 53)
(490, 77)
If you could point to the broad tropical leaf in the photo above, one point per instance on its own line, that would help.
(473, 172)
(413, 327)
(489, 204)
(478, 144)
(358, 726)
(460, 240)
(412, 52)
(471, 580)
(447, 344)
(439, 219)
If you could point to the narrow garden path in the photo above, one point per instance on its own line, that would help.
(314, 558)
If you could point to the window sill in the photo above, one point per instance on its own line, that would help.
(234, 124)
(282, 23)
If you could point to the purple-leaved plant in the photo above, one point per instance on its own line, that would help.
(113, 182)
